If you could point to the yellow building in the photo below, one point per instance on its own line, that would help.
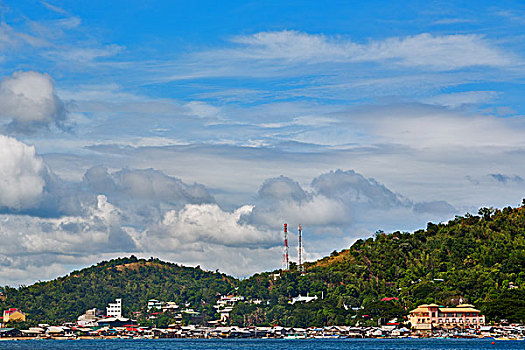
(13, 315)
(427, 317)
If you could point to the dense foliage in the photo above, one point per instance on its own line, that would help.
(475, 259)
(478, 259)
(134, 280)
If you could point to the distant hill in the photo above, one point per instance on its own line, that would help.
(478, 259)
(134, 280)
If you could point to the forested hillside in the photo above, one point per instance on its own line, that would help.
(134, 280)
(478, 259)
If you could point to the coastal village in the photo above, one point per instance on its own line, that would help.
(432, 320)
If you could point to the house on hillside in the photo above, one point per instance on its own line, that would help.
(13, 315)
(302, 299)
(229, 300)
(170, 306)
(225, 305)
(155, 304)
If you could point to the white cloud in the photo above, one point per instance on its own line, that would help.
(54, 8)
(439, 129)
(85, 54)
(13, 39)
(145, 184)
(437, 52)
(459, 99)
(29, 100)
(21, 175)
(206, 223)
(445, 52)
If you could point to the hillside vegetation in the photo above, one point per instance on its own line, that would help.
(134, 280)
(478, 259)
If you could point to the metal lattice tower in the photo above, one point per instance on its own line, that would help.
(285, 255)
(300, 266)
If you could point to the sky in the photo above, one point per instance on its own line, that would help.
(192, 130)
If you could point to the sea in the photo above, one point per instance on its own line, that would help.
(264, 344)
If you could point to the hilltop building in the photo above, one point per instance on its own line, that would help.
(114, 309)
(427, 317)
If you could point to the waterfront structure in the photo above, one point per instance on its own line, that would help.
(428, 317)
(113, 322)
(13, 315)
(114, 309)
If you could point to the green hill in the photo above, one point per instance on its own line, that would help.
(475, 259)
(134, 280)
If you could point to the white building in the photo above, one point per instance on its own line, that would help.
(229, 300)
(301, 299)
(155, 304)
(114, 309)
(90, 318)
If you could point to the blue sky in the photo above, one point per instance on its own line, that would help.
(192, 130)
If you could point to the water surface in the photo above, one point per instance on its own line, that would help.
(264, 344)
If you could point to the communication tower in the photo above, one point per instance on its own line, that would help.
(300, 266)
(285, 255)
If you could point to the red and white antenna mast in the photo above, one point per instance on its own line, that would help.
(285, 257)
(300, 266)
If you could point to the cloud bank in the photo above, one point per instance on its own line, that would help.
(145, 211)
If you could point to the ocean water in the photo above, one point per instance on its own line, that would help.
(264, 344)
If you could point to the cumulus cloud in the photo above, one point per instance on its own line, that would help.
(145, 184)
(282, 199)
(352, 187)
(282, 188)
(29, 101)
(337, 199)
(208, 223)
(21, 175)
(35, 247)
